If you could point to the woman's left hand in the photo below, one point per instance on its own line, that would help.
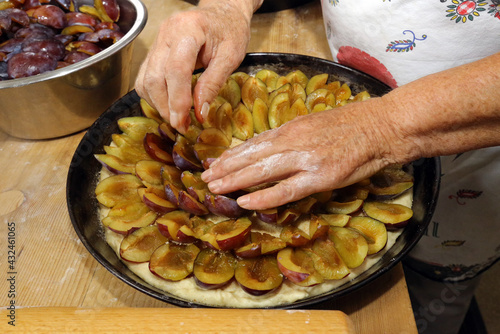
(309, 154)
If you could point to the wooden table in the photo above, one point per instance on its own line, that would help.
(53, 269)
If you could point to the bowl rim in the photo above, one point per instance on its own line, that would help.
(135, 30)
(391, 259)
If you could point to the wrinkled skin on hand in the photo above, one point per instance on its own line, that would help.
(428, 117)
(214, 37)
(306, 156)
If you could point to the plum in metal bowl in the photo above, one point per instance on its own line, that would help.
(69, 99)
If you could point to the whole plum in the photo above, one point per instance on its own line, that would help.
(26, 64)
(37, 36)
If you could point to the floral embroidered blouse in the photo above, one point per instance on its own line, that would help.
(398, 41)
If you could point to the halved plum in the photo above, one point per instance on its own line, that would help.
(323, 196)
(172, 193)
(260, 243)
(195, 186)
(316, 82)
(327, 260)
(199, 226)
(158, 149)
(138, 246)
(242, 123)
(269, 77)
(223, 120)
(305, 205)
(172, 175)
(351, 245)
(146, 108)
(344, 207)
(252, 89)
(168, 133)
(213, 269)
(259, 275)
(260, 115)
(156, 203)
(319, 97)
(297, 76)
(228, 234)
(317, 228)
(124, 224)
(288, 216)
(207, 154)
(240, 77)
(373, 230)
(393, 215)
(173, 262)
(298, 267)
(279, 110)
(214, 137)
(342, 94)
(118, 188)
(390, 182)
(150, 172)
(136, 127)
(222, 205)
(209, 118)
(334, 219)
(191, 204)
(184, 156)
(286, 88)
(114, 164)
(170, 223)
(294, 236)
(351, 193)
(231, 92)
(268, 216)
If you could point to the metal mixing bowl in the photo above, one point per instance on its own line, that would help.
(70, 99)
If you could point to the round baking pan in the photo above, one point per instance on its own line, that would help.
(84, 170)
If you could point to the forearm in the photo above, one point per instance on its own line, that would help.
(446, 113)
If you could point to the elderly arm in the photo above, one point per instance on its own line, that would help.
(445, 113)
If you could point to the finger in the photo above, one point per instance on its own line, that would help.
(178, 74)
(139, 82)
(292, 189)
(276, 167)
(241, 156)
(152, 85)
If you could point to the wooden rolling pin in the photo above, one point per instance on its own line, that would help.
(41, 320)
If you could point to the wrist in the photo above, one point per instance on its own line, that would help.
(392, 131)
(245, 7)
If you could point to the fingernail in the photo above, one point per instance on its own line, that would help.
(215, 185)
(206, 175)
(243, 201)
(174, 119)
(204, 110)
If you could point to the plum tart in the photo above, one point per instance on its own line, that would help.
(165, 224)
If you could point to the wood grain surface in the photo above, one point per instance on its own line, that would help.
(53, 272)
(152, 320)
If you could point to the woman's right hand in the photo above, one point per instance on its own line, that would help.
(214, 36)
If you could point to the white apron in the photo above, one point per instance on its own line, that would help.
(400, 41)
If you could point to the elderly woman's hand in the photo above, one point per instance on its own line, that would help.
(213, 36)
(331, 149)
(309, 154)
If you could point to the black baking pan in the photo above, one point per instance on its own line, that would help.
(84, 170)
